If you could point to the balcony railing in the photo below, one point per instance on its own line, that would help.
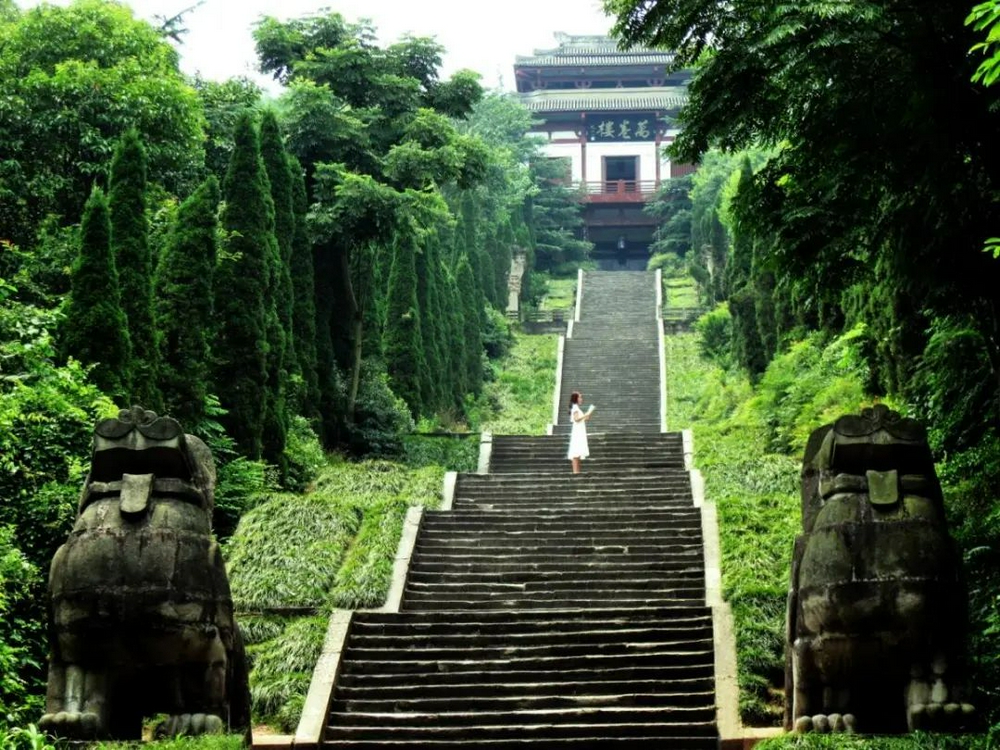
(615, 191)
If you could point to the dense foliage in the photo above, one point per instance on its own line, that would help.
(332, 267)
(849, 182)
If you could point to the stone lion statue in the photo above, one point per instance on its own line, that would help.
(141, 617)
(876, 607)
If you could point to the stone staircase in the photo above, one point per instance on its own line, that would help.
(546, 609)
(613, 355)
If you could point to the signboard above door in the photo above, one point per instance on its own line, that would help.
(621, 128)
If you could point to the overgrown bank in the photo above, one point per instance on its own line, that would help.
(748, 444)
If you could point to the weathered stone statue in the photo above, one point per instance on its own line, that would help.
(876, 609)
(141, 617)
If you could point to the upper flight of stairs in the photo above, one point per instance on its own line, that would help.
(613, 355)
(546, 609)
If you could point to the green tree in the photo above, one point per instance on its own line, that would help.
(404, 348)
(556, 217)
(304, 296)
(223, 103)
(241, 347)
(72, 80)
(472, 341)
(95, 331)
(185, 306)
(130, 245)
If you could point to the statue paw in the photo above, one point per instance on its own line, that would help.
(73, 725)
(941, 717)
(190, 724)
(826, 723)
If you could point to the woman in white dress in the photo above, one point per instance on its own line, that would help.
(578, 448)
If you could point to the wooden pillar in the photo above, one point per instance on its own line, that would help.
(583, 150)
(659, 133)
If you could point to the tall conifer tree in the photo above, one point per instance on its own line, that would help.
(279, 174)
(240, 377)
(303, 296)
(184, 305)
(431, 377)
(403, 340)
(472, 340)
(278, 304)
(95, 330)
(130, 244)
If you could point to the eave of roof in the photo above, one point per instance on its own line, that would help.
(605, 100)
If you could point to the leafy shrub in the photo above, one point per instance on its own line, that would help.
(454, 453)
(381, 418)
(304, 454)
(671, 264)
(497, 335)
(18, 579)
(715, 329)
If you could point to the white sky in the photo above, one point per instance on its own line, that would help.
(481, 35)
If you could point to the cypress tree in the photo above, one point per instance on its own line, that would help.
(430, 385)
(279, 174)
(278, 300)
(303, 296)
(240, 374)
(454, 346)
(130, 245)
(328, 381)
(472, 332)
(184, 305)
(403, 340)
(95, 330)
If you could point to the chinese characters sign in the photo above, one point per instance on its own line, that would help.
(634, 126)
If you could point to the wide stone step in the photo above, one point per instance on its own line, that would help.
(515, 691)
(594, 634)
(557, 556)
(594, 733)
(509, 720)
(371, 676)
(548, 561)
(528, 619)
(532, 702)
(649, 742)
(483, 652)
(433, 600)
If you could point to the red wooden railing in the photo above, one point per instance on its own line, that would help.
(619, 190)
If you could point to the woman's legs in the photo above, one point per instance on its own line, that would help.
(576, 464)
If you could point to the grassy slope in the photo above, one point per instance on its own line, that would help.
(561, 293)
(755, 493)
(747, 445)
(334, 546)
(680, 292)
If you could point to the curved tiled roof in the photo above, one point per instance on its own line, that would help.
(605, 100)
(597, 57)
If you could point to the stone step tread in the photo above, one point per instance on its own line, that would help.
(481, 653)
(673, 656)
(344, 704)
(661, 715)
(654, 741)
(431, 602)
(555, 688)
(418, 639)
(355, 675)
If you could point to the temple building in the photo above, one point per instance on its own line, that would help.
(607, 114)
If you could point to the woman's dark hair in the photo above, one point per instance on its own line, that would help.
(574, 398)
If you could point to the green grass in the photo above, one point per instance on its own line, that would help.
(333, 547)
(561, 294)
(519, 401)
(917, 741)
(680, 292)
(755, 493)
(205, 742)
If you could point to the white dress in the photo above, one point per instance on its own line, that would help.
(578, 436)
